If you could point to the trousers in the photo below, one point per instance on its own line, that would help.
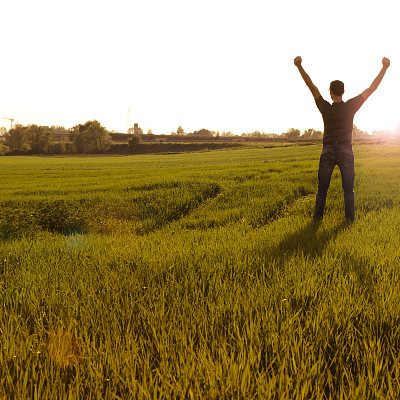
(342, 156)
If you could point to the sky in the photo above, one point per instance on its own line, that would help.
(222, 65)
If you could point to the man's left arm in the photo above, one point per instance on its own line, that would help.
(376, 82)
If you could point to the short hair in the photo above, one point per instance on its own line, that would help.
(337, 87)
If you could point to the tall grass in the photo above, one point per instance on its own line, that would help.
(198, 276)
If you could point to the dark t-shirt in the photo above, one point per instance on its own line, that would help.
(338, 118)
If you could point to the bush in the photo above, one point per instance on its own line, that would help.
(134, 140)
(3, 149)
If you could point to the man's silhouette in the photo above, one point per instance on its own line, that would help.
(337, 142)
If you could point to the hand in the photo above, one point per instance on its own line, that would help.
(385, 62)
(297, 61)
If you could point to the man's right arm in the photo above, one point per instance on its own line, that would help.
(374, 85)
(314, 90)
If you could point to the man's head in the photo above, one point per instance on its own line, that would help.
(337, 88)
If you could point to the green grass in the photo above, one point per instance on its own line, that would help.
(198, 276)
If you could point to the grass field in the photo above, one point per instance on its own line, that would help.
(198, 276)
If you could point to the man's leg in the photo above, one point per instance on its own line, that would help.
(347, 170)
(327, 163)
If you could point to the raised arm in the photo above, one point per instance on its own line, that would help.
(374, 85)
(314, 90)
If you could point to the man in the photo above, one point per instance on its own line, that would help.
(337, 142)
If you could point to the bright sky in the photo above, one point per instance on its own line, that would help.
(222, 65)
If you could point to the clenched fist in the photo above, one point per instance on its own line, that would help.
(297, 61)
(385, 62)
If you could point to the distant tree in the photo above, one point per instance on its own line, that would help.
(58, 129)
(227, 134)
(358, 133)
(312, 134)
(3, 131)
(203, 132)
(90, 137)
(180, 131)
(17, 139)
(307, 134)
(291, 133)
(149, 131)
(253, 135)
(271, 135)
(32, 138)
(58, 148)
(40, 138)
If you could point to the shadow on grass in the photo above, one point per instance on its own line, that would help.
(310, 241)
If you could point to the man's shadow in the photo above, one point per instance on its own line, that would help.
(310, 241)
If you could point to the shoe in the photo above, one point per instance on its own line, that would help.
(317, 218)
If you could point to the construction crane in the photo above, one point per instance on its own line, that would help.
(10, 119)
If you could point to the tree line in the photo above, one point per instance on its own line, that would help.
(292, 133)
(90, 137)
